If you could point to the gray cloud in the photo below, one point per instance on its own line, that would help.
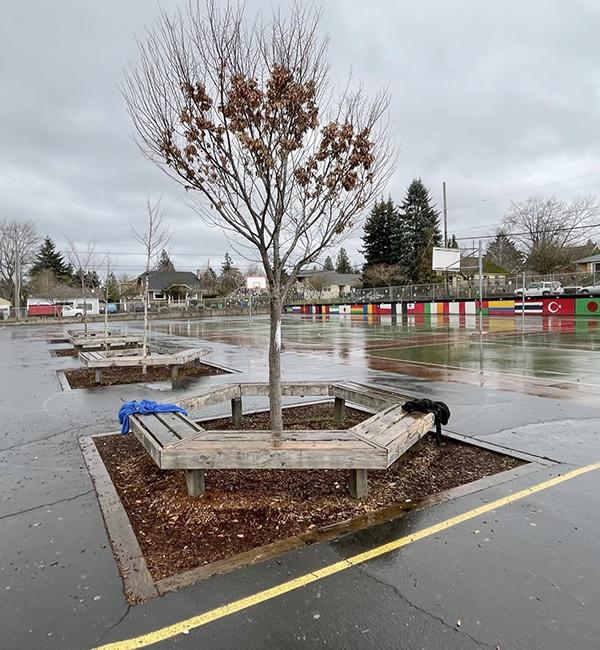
(491, 97)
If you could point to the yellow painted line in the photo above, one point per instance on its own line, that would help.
(170, 631)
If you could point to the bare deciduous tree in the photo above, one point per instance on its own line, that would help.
(154, 239)
(546, 228)
(242, 115)
(86, 264)
(18, 243)
(108, 271)
(379, 275)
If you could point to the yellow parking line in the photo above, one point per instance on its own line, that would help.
(170, 631)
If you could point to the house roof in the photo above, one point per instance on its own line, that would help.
(333, 277)
(470, 263)
(163, 280)
(590, 258)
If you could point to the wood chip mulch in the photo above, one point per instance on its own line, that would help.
(245, 509)
(86, 378)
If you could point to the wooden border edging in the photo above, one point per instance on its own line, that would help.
(139, 584)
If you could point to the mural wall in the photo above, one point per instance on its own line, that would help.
(572, 306)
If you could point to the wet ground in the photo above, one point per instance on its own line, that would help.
(523, 575)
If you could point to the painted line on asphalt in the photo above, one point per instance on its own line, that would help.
(212, 615)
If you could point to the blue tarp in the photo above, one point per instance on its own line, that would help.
(146, 406)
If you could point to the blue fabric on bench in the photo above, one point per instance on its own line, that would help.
(145, 407)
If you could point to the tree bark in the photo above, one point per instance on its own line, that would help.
(276, 417)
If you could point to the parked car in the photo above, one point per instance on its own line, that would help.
(109, 307)
(71, 312)
(535, 289)
(592, 290)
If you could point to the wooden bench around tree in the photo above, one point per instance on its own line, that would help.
(100, 359)
(106, 342)
(175, 441)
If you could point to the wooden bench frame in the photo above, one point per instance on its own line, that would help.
(177, 442)
(100, 359)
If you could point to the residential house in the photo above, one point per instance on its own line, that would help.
(326, 284)
(589, 264)
(171, 286)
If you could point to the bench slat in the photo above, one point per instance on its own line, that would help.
(160, 431)
(181, 426)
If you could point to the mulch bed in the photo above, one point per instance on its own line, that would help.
(86, 378)
(65, 352)
(245, 509)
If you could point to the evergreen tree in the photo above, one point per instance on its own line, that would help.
(91, 279)
(111, 288)
(453, 243)
(328, 266)
(342, 264)
(503, 252)
(49, 259)
(227, 264)
(416, 232)
(164, 262)
(381, 222)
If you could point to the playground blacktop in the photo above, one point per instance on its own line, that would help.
(512, 565)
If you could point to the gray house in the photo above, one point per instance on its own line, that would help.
(327, 284)
(171, 285)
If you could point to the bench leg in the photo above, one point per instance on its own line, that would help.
(98, 375)
(339, 409)
(236, 412)
(174, 376)
(359, 485)
(194, 480)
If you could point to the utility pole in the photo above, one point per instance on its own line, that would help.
(17, 282)
(445, 216)
(480, 288)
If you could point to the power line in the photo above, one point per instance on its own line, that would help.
(531, 232)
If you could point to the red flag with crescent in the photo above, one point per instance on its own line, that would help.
(559, 307)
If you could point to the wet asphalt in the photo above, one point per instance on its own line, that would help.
(524, 576)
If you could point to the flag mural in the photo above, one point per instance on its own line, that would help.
(530, 306)
(588, 307)
(559, 306)
(501, 307)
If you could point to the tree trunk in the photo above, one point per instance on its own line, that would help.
(275, 367)
(145, 339)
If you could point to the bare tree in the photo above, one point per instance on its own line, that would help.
(319, 282)
(154, 239)
(242, 115)
(86, 264)
(18, 244)
(379, 275)
(108, 274)
(545, 229)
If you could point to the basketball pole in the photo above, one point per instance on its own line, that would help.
(480, 289)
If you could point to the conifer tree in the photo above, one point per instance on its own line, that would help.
(49, 259)
(453, 243)
(343, 262)
(381, 222)
(328, 266)
(417, 231)
(503, 252)
(227, 264)
(164, 262)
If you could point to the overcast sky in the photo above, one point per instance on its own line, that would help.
(495, 98)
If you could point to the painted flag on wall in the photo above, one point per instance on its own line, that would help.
(501, 307)
(531, 307)
(587, 306)
(559, 307)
